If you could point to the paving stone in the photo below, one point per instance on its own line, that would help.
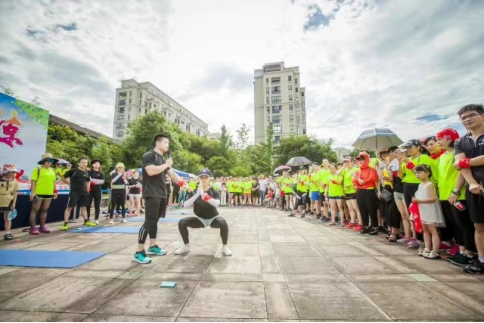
(216, 319)
(279, 302)
(362, 265)
(234, 265)
(159, 276)
(340, 250)
(44, 272)
(398, 300)
(6, 270)
(392, 249)
(381, 278)
(290, 250)
(189, 263)
(458, 277)
(421, 277)
(430, 266)
(214, 299)
(110, 262)
(94, 273)
(70, 317)
(232, 277)
(270, 265)
(333, 276)
(307, 265)
(242, 250)
(17, 316)
(12, 285)
(127, 318)
(273, 278)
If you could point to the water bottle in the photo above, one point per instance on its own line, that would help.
(459, 206)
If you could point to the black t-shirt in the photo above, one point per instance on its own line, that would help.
(472, 149)
(96, 175)
(78, 179)
(153, 186)
(134, 181)
(397, 184)
(204, 209)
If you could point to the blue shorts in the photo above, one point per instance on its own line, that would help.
(315, 196)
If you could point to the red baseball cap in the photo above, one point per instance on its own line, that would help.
(449, 134)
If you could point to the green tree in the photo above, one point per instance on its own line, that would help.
(309, 147)
(269, 148)
(226, 141)
(242, 137)
(219, 166)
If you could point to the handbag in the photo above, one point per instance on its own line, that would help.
(386, 195)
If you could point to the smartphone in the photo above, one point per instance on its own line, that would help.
(168, 284)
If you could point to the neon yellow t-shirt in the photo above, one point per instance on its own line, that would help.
(237, 187)
(230, 187)
(300, 187)
(374, 162)
(45, 180)
(434, 167)
(192, 185)
(409, 176)
(385, 182)
(323, 178)
(348, 186)
(314, 182)
(248, 187)
(448, 177)
(287, 184)
(335, 190)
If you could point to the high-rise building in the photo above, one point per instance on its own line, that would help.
(134, 100)
(280, 99)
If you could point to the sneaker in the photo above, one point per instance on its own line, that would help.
(332, 224)
(291, 215)
(365, 230)
(444, 246)
(382, 230)
(44, 230)
(392, 238)
(125, 221)
(326, 220)
(460, 260)
(90, 224)
(8, 237)
(34, 231)
(413, 244)
(350, 226)
(454, 250)
(182, 250)
(155, 250)
(111, 221)
(403, 240)
(65, 227)
(226, 251)
(475, 267)
(423, 252)
(373, 231)
(432, 255)
(97, 222)
(141, 257)
(318, 216)
(358, 228)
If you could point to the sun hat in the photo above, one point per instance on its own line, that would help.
(48, 156)
(120, 165)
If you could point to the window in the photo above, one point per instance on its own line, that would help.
(290, 107)
(275, 80)
(295, 80)
(276, 90)
(297, 99)
(119, 126)
(298, 120)
(122, 95)
(122, 102)
(121, 117)
(121, 110)
(290, 87)
(292, 128)
(277, 139)
(129, 116)
(290, 97)
(276, 98)
(130, 93)
(129, 101)
(140, 95)
(277, 129)
(304, 131)
(267, 80)
(267, 99)
(276, 108)
(146, 111)
(291, 117)
(298, 129)
(276, 119)
(268, 109)
(297, 110)
(267, 90)
(120, 133)
(296, 90)
(268, 119)
(289, 78)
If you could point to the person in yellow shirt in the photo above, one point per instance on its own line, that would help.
(247, 189)
(280, 185)
(238, 191)
(302, 188)
(349, 173)
(314, 189)
(323, 183)
(287, 186)
(42, 191)
(334, 193)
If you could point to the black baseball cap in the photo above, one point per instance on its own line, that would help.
(410, 143)
(205, 172)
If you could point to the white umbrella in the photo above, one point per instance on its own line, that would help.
(377, 139)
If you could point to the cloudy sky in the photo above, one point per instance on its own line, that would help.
(403, 64)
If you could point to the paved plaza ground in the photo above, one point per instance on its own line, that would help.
(282, 269)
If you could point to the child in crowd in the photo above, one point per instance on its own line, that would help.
(8, 197)
(277, 197)
(223, 195)
(430, 212)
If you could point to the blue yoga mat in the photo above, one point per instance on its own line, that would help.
(115, 229)
(161, 220)
(46, 259)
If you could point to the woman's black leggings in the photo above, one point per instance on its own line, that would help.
(155, 208)
(176, 197)
(118, 197)
(367, 203)
(194, 222)
(463, 228)
(95, 194)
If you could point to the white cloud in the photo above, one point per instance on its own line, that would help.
(372, 63)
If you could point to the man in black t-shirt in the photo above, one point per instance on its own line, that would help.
(469, 158)
(79, 192)
(155, 170)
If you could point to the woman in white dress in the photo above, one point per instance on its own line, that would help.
(430, 212)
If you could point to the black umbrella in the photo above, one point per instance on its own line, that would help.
(298, 161)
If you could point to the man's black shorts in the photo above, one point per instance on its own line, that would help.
(78, 199)
(475, 203)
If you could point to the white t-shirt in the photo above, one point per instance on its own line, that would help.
(263, 185)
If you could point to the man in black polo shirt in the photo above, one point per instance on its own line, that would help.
(155, 170)
(469, 158)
